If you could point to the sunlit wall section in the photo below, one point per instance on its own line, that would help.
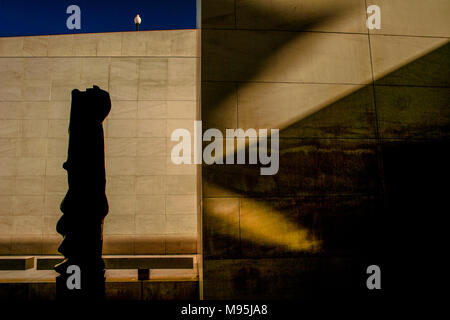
(151, 78)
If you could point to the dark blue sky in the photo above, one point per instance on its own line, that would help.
(42, 17)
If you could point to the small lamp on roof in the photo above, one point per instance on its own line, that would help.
(137, 21)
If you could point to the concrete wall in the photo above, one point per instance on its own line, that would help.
(151, 77)
(308, 68)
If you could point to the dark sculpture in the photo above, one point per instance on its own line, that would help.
(85, 205)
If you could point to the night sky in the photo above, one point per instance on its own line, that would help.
(45, 17)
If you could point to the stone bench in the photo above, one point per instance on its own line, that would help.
(142, 263)
(16, 263)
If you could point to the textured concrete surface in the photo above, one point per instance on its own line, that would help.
(349, 104)
(152, 80)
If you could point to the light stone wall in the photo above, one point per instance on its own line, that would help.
(152, 80)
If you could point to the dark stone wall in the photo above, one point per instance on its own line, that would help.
(362, 174)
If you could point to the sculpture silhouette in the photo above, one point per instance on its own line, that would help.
(85, 205)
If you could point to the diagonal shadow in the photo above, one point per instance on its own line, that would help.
(329, 182)
(248, 59)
